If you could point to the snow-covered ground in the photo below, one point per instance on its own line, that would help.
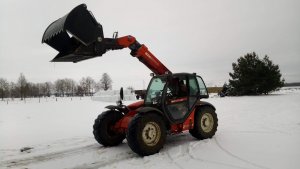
(259, 132)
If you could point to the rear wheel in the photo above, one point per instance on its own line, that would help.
(205, 123)
(103, 131)
(146, 134)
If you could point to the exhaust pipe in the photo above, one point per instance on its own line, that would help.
(76, 36)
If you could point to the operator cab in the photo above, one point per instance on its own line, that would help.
(175, 94)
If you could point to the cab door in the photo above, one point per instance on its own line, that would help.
(193, 91)
(181, 94)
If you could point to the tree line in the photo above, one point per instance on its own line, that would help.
(86, 86)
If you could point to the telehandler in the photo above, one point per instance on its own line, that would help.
(172, 103)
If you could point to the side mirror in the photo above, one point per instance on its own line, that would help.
(119, 102)
(121, 94)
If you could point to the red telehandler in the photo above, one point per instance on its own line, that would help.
(172, 103)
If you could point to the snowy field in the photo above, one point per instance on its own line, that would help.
(255, 132)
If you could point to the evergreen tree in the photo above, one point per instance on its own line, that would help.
(252, 76)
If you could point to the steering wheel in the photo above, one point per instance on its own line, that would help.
(169, 94)
(157, 98)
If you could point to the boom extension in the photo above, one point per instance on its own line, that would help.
(78, 36)
(143, 54)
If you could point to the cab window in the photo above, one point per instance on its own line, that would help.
(202, 87)
(155, 89)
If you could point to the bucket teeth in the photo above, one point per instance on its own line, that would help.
(54, 29)
(50, 36)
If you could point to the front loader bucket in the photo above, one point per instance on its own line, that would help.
(76, 36)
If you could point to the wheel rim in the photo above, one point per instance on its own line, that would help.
(151, 134)
(207, 122)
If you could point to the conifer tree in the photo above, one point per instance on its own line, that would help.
(254, 76)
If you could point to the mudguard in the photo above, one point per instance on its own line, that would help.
(149, 109)
(121, 108)
(200, 104)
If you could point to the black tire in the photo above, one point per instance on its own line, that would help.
(205, 124)
(102, 128)
(146, 134)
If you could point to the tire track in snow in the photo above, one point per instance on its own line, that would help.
(173, 161)
(48, 156)
(173, 139)
(237, 157)
(188, 149)
(100, 164)
(274, 130)
(192, 146)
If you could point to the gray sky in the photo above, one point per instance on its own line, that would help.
(202, 36)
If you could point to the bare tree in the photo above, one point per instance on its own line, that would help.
(13, 90)
(33, 90)
(37, 89)
(23, 86)
(70, 86)
(79, 90)
(90, 83)
(60, 87)
(105, 82)
(4, 88)
(46, 89)
(87, 85)
(83, 86)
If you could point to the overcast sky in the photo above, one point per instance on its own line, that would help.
(202, 36)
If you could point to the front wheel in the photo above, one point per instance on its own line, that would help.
(205, 123)
(146, 134)
(103, 131)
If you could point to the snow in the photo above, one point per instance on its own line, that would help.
(259, 132)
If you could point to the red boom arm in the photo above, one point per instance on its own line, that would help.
(142, 53)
